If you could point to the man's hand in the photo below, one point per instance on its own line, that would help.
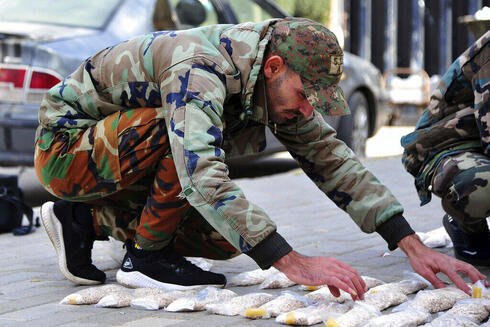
(428, 262)
(317, 271)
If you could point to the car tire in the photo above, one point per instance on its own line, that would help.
(354, 128)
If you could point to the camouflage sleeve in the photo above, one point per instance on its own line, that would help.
(481, 84)
(193, 96)
(334, 168)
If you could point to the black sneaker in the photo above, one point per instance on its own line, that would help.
(163, 269)
(474, 249)
(72, 244)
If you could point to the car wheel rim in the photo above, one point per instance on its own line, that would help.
(360, 129)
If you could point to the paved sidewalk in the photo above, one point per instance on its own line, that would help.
(31, 285)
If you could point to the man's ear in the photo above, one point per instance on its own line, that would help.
(273, 66)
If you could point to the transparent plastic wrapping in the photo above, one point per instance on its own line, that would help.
(437, 300)
(406, 318)
(160, 299)
(435, 238)
(479, 291)
(369, 281)
(276, 280)
(286, 302)
(313, 314)
(411, 284)
(384, 298)
(360, 313)
(199, 301)
(487, 324)
(253, 277)
(123, 298)
(449, 320)
(475, 309)
(239, 304)
(118, 299)
(91, 295)
(324, 295)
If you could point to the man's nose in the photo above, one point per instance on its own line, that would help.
(306, 110)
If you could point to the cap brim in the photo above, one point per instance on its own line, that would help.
(329, 101)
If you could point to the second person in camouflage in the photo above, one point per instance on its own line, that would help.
(134, 142)
(449, 152)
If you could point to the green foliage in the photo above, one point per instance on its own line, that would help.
(317, 10)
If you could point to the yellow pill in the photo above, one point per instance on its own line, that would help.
(476, 292)
(73, 300)
(255, 312)
(331, 323)
(290, 319)
(311, 288)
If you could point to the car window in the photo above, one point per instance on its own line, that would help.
(248, 11)
(86, 13)
(193, 13)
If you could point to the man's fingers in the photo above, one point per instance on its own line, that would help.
(359, 285)
(334, 290)
(471, 271)
(458, 281)
(432, 278)
(337, 282)
(351, 276)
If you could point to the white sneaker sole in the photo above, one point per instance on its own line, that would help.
(53, 228)
(135, 279)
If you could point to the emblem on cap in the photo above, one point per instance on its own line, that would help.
(336, 64)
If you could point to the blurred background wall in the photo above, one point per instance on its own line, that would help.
(420, 34)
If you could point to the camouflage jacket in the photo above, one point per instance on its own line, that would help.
(203, 82)
(457, 118)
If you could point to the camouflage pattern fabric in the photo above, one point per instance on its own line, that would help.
(144, 204)
(312, 51)
(462, 181)
(456, 120)
(205, 85)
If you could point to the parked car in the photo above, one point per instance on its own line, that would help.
(41, 43)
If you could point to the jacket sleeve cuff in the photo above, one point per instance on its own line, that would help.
(393, 230)
(268, 251)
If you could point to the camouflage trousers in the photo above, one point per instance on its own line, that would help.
(462, 181)
(143, 203)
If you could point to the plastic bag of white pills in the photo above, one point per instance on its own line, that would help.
(277, 280)
(239, 304)
(360, 313)
(406, 318)
(324, 295)
(313, 314)
(159, 300)
(91, 295)
(253, 277)
(435, 300)
(286, 302)
(382, 299)
(199, 301)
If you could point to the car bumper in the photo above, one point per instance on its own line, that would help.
(18, 125)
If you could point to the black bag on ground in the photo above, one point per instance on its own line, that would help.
(13, 207)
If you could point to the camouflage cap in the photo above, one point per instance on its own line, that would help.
(312, 51)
